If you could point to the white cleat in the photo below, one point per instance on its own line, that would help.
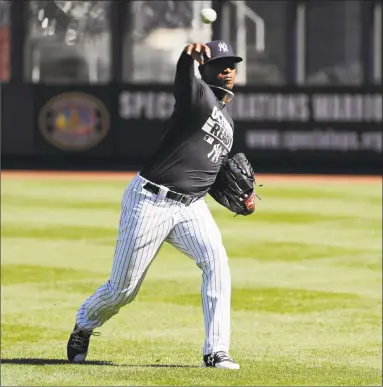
(220, 360)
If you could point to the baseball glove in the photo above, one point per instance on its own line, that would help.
(234, 185)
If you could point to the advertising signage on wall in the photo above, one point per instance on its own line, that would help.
(311, 120)
(272, 107)
(314, 140)
(74, 121)
(274, 126)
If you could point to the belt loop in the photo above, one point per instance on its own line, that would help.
(163, 192)
(142, 180)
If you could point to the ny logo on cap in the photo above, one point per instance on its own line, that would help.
(223, 47)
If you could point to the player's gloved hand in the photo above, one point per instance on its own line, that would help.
(197, 51)
(234, 185)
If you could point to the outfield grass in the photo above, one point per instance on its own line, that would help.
(307, 298)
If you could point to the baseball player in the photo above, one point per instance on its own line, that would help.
(165, 203)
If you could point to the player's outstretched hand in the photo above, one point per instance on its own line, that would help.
(197, 51)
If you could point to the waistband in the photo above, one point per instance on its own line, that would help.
(165, 192)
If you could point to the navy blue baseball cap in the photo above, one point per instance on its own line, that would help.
(221, 50)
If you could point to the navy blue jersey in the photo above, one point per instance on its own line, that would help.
(198, 136)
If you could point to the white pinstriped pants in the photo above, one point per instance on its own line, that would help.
(147, 221)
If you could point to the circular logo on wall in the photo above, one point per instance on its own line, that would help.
(74, 121)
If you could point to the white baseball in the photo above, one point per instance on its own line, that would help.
(208, 15)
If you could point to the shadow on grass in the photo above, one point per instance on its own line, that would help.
(33, 361)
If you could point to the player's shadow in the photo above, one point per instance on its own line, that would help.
(40, 361)
(161, 365)
(33, 361)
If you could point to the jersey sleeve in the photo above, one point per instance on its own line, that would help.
(187, 88)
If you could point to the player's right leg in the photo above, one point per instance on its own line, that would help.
(145, 221)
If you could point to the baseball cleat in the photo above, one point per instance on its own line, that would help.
(78, 343)
(220, 360)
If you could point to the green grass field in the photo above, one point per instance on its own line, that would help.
(307, 297)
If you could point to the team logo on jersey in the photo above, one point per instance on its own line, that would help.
(215, 153)
(74, 121)
(219, 135)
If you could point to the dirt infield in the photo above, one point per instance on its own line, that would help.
(124, 176)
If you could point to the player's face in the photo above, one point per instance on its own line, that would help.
(221, 72)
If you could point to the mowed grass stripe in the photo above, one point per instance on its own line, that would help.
(60, 229)
(287, 200)
(306, 290)
(58, 232)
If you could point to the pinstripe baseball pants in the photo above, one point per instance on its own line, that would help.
(147, 221)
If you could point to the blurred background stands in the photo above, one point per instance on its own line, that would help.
(283, 42)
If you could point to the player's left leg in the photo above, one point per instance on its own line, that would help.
(197, 235)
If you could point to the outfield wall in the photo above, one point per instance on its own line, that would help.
(118, 126)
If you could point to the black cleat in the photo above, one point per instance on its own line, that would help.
(220, 360)
(78, 344)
